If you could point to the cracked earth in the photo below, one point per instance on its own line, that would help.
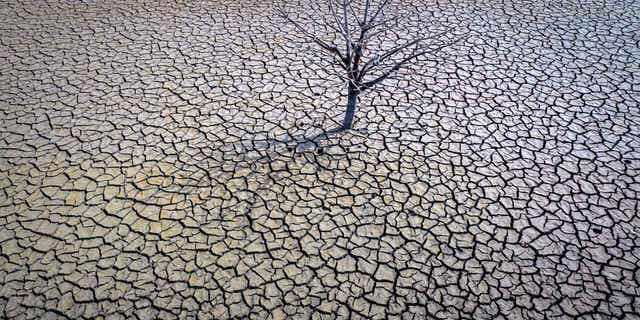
(147, 168)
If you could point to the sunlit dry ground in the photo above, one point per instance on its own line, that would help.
(145, 170)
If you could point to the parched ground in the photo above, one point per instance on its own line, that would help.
(147, 169)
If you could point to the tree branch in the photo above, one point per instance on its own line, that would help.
(381, 58)
(346, 60)
(354, 14)
(347, 31)
(331, 48)
(414, 55)
(367, 4)
(375, 61)
(380, 9)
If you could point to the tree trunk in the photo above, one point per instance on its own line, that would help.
(352, 102)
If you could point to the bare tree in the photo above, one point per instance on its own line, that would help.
(349, 28)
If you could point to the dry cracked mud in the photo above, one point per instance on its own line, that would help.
(147, 168)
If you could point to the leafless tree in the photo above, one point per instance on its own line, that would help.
(355, 33)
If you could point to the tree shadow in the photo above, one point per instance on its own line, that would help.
(305, 143)
(256, 150)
